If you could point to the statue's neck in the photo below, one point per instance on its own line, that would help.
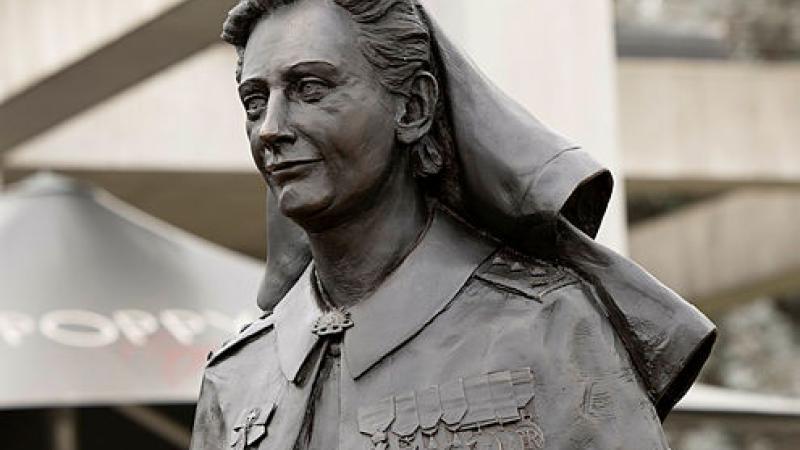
(353, 258)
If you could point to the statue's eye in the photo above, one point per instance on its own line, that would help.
(311, 89)
(255, 106)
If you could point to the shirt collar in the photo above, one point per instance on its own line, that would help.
(410, 297)
(294, 317)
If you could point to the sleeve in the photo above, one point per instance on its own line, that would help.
(208, 432)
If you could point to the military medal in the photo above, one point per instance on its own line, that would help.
(374, 421)
(253, 427)
(530, 434)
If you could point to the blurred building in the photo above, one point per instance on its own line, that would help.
(709, 95)
(697, 113)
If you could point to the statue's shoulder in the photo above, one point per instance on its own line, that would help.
(523, 275)
(247, 334)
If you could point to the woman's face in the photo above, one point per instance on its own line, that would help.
(321, 126)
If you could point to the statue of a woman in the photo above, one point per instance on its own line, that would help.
(453, 297)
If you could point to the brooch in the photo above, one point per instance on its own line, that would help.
(331, 323)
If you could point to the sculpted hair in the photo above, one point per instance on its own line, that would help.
(395, 39)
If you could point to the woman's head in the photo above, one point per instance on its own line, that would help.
(395, 40)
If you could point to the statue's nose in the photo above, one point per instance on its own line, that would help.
(275, 131)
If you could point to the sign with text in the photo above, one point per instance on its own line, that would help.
(101, 304)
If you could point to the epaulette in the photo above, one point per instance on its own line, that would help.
(247, 332)
(523, 275)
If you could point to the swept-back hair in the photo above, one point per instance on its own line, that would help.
(396, 40)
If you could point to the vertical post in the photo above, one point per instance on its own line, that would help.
(64, 429)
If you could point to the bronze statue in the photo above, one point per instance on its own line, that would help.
(431, 281)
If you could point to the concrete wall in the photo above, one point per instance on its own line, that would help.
(705, 124)
(39, 37)
(187, 118)
(731, 249)
(174, 146)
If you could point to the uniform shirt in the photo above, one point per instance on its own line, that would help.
(465, 345)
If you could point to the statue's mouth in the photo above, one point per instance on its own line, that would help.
(289, 165)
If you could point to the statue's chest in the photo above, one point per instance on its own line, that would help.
(491, 410)
(392, 406)
(519, 383)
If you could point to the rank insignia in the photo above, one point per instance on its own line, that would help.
(529, 277)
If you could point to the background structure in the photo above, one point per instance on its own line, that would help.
(693, 104)
(709, 106)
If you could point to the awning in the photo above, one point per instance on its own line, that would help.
(101, 304)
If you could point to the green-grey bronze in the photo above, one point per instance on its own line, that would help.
(432, 281)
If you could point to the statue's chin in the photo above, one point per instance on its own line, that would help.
(302, 205)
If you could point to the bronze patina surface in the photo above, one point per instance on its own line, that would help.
(432, 281)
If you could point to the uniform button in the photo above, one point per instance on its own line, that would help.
(335, 349)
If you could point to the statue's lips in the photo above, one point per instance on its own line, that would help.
(288, 168)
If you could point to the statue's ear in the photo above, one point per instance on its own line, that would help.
(417, 110)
